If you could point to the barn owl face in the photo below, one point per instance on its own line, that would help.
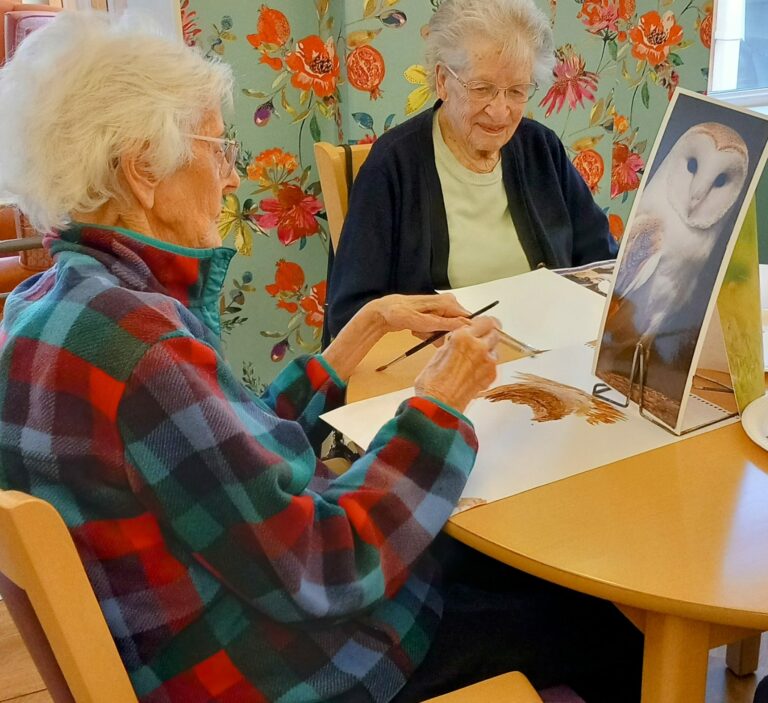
(707, 173)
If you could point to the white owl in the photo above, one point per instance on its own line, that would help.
(678, 222)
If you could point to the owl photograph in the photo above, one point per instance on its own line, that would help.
(671, 258)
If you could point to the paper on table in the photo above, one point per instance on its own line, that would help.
(540, 308)
(516, 452)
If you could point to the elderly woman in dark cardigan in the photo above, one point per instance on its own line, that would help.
(470, 190)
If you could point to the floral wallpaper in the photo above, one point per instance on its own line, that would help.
(348, 70)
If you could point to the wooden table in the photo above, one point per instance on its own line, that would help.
(676, 537)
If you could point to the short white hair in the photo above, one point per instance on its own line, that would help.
(85, 90)
(513, 25)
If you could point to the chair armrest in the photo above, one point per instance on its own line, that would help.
(13, 246)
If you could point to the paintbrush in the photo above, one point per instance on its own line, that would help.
(509, 341)
(433, 338)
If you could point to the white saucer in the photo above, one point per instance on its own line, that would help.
(754, 420)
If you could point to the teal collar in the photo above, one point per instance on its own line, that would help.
(194, 277)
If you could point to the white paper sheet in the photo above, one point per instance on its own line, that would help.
(516, 452)
(540, 308)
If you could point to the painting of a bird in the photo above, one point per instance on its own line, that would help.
(551, 400)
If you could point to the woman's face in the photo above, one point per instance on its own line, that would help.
(188, 203)
(483, 127)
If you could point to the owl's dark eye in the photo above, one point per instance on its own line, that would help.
(720, 181)
(693, 165)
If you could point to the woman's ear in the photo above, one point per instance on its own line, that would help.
(139, 179)
(440, 77)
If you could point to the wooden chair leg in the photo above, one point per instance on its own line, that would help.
(742, 657)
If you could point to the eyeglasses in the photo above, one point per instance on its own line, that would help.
(483, 92)
(227, 152)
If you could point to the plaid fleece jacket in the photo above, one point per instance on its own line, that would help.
(230, 564)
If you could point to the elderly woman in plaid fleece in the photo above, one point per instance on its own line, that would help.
(230, 564)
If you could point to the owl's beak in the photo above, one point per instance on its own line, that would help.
(697, 195)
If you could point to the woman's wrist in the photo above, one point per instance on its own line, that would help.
(356, 339)
(373, 312)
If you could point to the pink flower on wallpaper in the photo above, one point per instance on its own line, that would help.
(573, 83)
(189, 26)
(292, 212)
(625, 169)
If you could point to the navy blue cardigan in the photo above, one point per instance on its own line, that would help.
(395, 236)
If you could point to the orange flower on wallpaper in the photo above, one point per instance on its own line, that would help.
(272, 27)
(292, 212)
(314, 305)
(273, 30)
(315, 65)
(615, 226)
(289, 280)
(705, 26)
(620, 124)
(653, 38)
(365, 70)
(572, 82)
(626, 9)
(598, 15)
(272, 167)
(625, 169)
(591, 166)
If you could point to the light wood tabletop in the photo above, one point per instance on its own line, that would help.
(676, 537)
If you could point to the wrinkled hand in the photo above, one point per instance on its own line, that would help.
(464, 366)
(421, 314)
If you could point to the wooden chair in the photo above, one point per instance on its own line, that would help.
(507, 688)
(50, 599)
(337, 167)
(332, 167)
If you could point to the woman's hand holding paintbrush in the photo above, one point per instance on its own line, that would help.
(435, 337)
(464, 366)
(504, 338)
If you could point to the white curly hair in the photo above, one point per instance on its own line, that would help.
(86, 89)
(515, 26)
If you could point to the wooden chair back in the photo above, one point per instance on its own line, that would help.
(332, 168)
(50, 599)
(53, 606)
(507, 688)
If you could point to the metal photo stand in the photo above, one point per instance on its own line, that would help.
(637, 378)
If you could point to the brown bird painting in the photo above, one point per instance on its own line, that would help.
(550, 400)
